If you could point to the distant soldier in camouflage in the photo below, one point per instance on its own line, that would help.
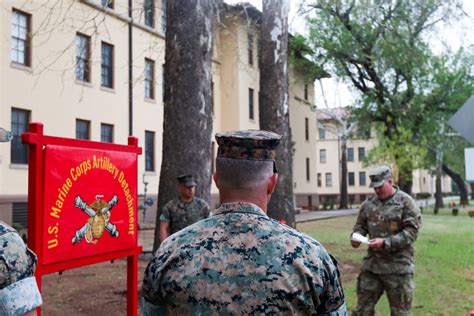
(19, 292)
(391, 220)
(239, 261)
(183, 211)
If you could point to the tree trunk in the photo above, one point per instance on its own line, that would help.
(472, 191)
(439, 175)
(273, 105)
(187, 124)
(344, 202)
(405, 180)
(439, 192)
(463, 198)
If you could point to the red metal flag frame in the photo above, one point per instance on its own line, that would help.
(37, 143)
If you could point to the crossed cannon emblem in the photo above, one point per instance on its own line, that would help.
(99, 215)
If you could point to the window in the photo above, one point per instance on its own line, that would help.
(362, 179)
(107, 3)
(20, 213)
(164, 12)
(106, 133)
(83, 129)
(319, 180)
(367, 133)
(149, 10)
(322, 133)
(322, 155)
(308, 173)
(107, 66)
(149, 151)
(250, 48)
(83, 57)
(20, 43)
(350, 154)
(306, 128)
(306, 92)
(361, 153)
(329, 179)
(251, 107)
(19, 151)
(351, 178)
(149, 79)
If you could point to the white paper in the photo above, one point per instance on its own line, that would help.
(358, 237)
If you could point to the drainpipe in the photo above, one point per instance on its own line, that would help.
(130, 72)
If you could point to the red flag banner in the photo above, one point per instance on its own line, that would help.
(90, 205)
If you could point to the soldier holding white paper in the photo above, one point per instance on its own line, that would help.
(391, 220)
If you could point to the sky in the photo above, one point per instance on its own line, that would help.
(338, 94)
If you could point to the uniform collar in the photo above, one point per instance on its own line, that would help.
(239, 207)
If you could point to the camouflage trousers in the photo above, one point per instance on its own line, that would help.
(370, 287)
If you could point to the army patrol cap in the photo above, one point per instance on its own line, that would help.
(248, 144)
(187, 180)
(379, 175)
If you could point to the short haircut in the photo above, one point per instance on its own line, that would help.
(243, 174)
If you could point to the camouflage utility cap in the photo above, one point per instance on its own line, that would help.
(247, 144)
(379, 175)
(186, 180)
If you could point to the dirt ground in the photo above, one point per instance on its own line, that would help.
(100, 289)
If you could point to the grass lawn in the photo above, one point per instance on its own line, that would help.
(444, 256)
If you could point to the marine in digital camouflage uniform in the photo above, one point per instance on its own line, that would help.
(19, 292)
(239, 261)
(183, 211)
(391, 220)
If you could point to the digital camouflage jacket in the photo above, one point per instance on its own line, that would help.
(18, 289)
(240, 261)
(181, 214)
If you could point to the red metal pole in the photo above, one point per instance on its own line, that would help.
(35, 195)
(132, 262)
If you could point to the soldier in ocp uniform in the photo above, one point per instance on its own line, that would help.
(239, 261)
(19, 292)
(391, 219)
(183, 211)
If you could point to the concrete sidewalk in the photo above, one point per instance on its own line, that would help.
(145, 236)
(319, 215)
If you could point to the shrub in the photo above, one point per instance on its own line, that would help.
(455, 211)
(17, 226)
(435, 211)
(423, 195)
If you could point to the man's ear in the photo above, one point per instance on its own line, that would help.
(272, 182)
(216, 179)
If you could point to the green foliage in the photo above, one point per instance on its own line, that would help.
(328, 204)
(300, 58)
(450, 85)
(423, 195)
(17, 226)
(381, 49)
